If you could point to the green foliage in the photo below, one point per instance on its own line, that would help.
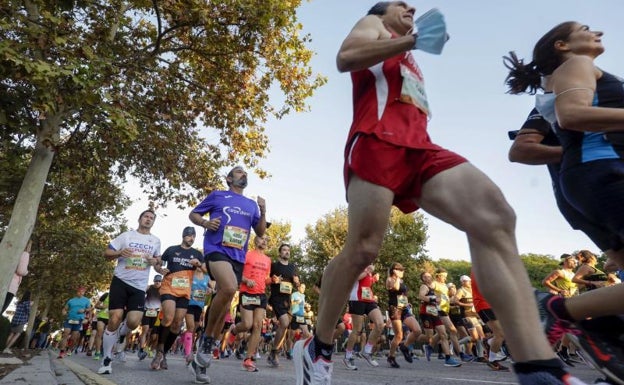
(455, 269)
(538, 267)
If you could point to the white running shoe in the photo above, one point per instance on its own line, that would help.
(107, 366)
(307, 370)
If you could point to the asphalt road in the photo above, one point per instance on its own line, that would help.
(229, 371)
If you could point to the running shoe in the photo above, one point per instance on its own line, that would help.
(142, 354)
(310, 371)
(155, 365)
(392, 362)
(466, 357)
(349, 363)
(107, 366)
(121, 356)
(452, 362)
(61, 355)
(89, 353)
(565, 358)
(163, 363)
(272, 358)
(97, 356)
(553, 326)
(406, 353)
(249, 365)
(200, 373)
(496, 366)
(602, 353)
(369, 358)
(204, 356)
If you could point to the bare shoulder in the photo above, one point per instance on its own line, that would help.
(371, 27)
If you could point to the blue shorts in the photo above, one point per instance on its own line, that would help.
(596, 190)
(73, 325)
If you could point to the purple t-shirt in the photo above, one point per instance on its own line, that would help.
(238, 215)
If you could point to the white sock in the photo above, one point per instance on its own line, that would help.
(108, 340)
(368, 348)
(123, 329)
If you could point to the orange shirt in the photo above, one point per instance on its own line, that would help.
(257, 268)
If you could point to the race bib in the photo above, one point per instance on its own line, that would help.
(308, 321)
(198, 295)
(401, 301)
(431, 310)
(367, 293)
(250, 301)
(136, 263)
(235, 237)
(151, 312)
(180, 282)
(300, 319)
(73, 322)
(413, 90)
(285, 287)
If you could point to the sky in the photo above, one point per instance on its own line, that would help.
(471, 114)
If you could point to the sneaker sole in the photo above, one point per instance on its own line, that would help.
(588, 359)
(107, 371)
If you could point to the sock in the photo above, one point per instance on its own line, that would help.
(552, 366)
(557, 306)
(162, 337)
(368, 348)
(108, 340)
(187, 340)
(479, 348)
(349, 354)
(492, 356)
(322, 349)
(171, 337)
(123, 330)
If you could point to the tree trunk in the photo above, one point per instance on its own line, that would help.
(24, 212)
(31, 320)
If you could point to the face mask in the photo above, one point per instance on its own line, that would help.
(545, 105)
(431, 32)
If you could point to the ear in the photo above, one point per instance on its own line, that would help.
(561, 45)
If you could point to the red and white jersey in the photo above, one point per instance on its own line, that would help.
(363, 290)
(389, 101)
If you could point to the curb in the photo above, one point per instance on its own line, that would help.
(87, 376)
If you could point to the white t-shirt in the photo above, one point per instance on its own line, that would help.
(135, 270)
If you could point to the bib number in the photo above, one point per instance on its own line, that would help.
(198, 295)
(300, 319)
(151, 312)
(401, 301)
(431, 310)
(413, 90)
(285, 287)
(235, 237)
(181, 282)
(73, 322)
(250, 301)
(367, 293)
(136, 263)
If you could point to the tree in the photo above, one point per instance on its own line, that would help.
(123, 87)
(404, 242)
(538, 267)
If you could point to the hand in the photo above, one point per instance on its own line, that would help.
(262, 205)
(213, 224)
(250, 283)
(195, 262)
(126, 253)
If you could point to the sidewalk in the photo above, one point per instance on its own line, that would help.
(40, 370)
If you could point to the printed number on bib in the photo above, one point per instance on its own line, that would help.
(285, 287)
(250, 301)
(402, 301)
(136, 263)
(180, 282)
(73, 322)
(151, 312)
(235, 237)
(413, 90)
(431, 310)
(300, 319)
(198, 295)
(367, 293)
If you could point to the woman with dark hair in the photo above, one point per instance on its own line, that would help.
(589, 106)
(20, 318)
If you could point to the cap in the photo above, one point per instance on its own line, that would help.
(464, 278)
(158, 278)
(190, 230)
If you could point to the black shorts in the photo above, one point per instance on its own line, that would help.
(103, 320)
(149, 321)
(123, 296)
(399, 313)
(237, 267)
(253, 301)
(487, 315)
(93, 326)
(181, 302)
(196, 311)
(362, 307)
(280, 304)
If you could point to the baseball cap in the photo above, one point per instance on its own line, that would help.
(190, 230)
(464, 278)
(158, 278)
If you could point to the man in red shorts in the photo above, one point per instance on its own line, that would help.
(390, 160)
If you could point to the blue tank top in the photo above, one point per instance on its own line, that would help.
(584, 146)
